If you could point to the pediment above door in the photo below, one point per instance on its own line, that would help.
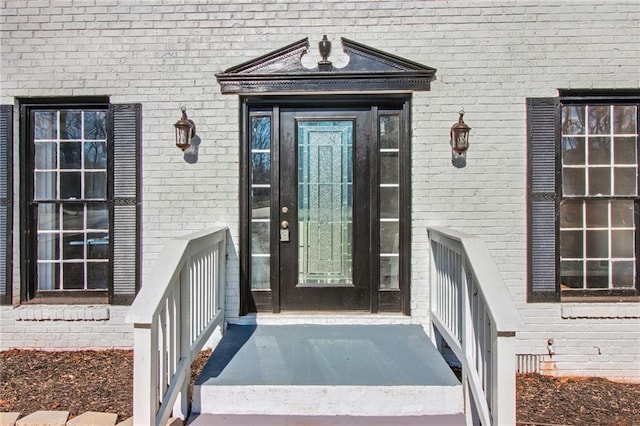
(367, 70)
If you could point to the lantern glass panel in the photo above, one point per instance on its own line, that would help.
(460, 140)
(183, 136)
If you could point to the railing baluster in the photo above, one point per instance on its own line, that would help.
(205, 290)
(447, 285)
(221, 263)
(204, 277)
(210, 285)
(214, 279)
(481, 342)
(202, 289)
(487, 359)
(173, 352)
(478, 335)
(162, 343)
(201, 298)
(458, 300)
(452, 297)
(450, 306)
(195, 306)
(442, 284)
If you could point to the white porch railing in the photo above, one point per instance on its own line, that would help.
(472, 310)
(176, 311)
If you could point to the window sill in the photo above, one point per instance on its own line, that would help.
(606, 296)
(62, 313)
(70, 297)
(616, 310)
(599, 299)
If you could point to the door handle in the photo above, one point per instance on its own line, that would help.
(284, 231)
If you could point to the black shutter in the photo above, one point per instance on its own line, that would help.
(124, 177)
(543, 127)
(6, 211)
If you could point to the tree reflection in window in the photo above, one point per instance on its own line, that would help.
(598, 231)
(70, 177)
(260, 196)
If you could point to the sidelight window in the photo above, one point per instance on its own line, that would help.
(260, 201)
(389, 186)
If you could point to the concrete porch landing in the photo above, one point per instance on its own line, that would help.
(327, 370)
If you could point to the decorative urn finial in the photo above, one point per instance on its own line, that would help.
(325, 49)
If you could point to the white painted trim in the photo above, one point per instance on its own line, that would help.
(330, 400)
(286, 318)
(600, 310)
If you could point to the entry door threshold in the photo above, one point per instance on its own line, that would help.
(307, 317)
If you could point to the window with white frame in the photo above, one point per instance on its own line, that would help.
(599, 190)
(70, 199)
(583, 197)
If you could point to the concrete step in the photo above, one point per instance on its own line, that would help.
(327, 371)
(253, 420)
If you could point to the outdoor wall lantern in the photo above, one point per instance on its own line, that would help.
(185, 130)
(459, 137)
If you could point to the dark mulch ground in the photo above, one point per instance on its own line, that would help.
(576, 401)
(71, 381)
(102, 381)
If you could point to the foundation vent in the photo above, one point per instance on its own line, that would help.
(528, 363)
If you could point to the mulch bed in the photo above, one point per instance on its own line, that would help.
(576, 401)
(102, 381)
(77, 381)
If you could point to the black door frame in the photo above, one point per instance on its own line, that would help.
(397, 300)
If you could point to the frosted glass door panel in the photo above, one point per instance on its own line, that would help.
(325, 211)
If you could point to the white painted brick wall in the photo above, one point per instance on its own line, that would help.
(64, 327)
(490, 56)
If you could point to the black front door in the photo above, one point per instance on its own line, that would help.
(323, 227)
(325, 199)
